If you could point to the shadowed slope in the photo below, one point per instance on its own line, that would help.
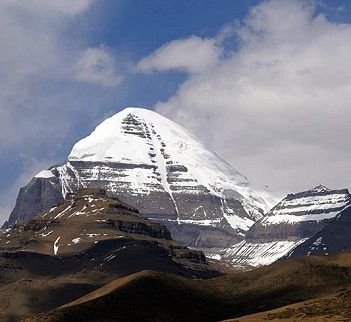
(331, 308)
(154, 296)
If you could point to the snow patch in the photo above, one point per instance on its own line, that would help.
(258, 254)
(45, 174)
(93, 235)
(56, 247)
(60, 214)
(46, 234)
(76, 240)
(214, 256)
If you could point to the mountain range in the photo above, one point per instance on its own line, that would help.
(295, 220)
(156, 165)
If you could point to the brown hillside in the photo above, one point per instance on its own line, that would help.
(154, 296)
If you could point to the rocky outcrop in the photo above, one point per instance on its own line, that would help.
(92, 230)
(333, 238)
(40, 194)
(142, 228)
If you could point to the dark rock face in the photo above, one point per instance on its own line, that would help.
(141, 228)
(283, 231)
(333, 238)
(202, 236)
(43, 193)
(300, 215)
(40, 194)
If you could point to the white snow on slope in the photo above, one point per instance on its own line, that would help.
(56, 247)
(44, 174)
(257, 254)
(111, 142)
(204, 222)
(320, 204)
(76, 240)
(46, 234)
(293, 219)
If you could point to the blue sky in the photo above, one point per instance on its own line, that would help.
(67, 66)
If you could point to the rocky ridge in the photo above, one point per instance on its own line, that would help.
(334, 237)
(290, 223)
(91, 230)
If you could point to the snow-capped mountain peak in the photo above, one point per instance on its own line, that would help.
(319, 189)
(141, 136)
(158, 166)
(135, 135)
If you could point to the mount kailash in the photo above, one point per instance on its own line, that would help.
(156, 165)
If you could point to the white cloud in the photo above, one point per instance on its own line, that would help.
(97, 66)
(65, 7)
(192, 54)
(36, 62)
(278, 106)
(40, 100)
(31, 49)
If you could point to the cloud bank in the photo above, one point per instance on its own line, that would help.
(270, 94)
(37, 62)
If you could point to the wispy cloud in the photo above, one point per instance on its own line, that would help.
(192, 54)
(62, 7)
(97, 66)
